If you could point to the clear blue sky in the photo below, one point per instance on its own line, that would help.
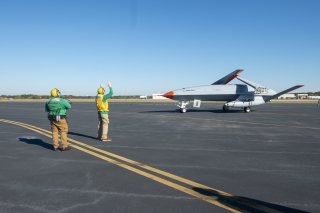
(146, 46)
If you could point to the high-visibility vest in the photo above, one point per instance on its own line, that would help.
(101, 106)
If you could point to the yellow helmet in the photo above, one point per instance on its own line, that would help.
(101, 90)
(55, 92)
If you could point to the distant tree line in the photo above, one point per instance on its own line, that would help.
(314, 93)
(32, 96)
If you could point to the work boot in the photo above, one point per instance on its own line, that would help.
(66, 148)
(106, 139)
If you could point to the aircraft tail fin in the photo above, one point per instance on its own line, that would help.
(283, 92)
(226, 79)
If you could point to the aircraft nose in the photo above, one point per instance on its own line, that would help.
(168, 95)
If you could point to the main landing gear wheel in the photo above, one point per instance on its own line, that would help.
(183, 110)
(247, 109)
(225, 108)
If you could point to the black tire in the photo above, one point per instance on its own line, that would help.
(225, 108)
(183, 110)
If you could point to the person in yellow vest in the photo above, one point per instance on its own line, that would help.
(103, 111)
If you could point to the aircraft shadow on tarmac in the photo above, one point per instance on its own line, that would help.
(36, 141)
(81, 135)
(197, 111)
(243, 203)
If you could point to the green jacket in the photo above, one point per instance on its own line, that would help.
(105, 98)
(57, 106)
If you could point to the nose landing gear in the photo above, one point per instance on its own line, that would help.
(183, 106)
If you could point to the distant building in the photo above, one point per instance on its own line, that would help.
(313, 97)
(143, 97)
(158, 96)
(287, 96)
(302, 96)
(293, 96)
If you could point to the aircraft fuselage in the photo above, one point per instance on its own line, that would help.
(227, 92)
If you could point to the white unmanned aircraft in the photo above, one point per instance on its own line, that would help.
(236, 95)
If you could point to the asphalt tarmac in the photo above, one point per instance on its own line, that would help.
(161, 160)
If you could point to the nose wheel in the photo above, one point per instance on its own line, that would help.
(183, 110)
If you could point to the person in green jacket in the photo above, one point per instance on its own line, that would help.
(57, 111)
(103, 110)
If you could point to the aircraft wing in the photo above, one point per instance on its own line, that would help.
(250, 83)
(283, 92)
(226, 79)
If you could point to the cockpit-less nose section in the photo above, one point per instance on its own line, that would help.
(235, 95)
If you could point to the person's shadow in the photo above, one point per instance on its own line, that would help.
(81, 135)
(36, 141)
(245, 204)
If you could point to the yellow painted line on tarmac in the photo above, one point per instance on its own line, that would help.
(160, 180)
(153, 177)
